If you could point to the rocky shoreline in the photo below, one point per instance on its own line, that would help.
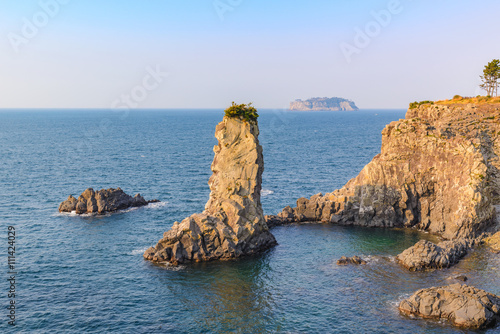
(438, 172)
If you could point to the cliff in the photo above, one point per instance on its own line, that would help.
(232, 224)
(323, 103)
(438, 171)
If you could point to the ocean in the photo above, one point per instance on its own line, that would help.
(86, 274)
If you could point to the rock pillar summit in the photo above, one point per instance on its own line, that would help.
(232, 224)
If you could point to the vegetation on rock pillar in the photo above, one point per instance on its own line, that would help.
(244, 111)
(490, 77)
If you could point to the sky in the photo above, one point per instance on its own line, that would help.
(207, 53)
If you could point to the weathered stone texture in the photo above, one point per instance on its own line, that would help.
(464, 306)
(232, 224)
(438, 171)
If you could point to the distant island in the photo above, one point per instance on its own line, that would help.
(323, 103)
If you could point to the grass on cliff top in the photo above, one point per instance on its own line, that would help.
(242, 111)
(457, 99)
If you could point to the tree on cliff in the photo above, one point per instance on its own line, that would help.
(490, 77)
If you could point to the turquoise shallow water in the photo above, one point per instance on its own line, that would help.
(86, 274)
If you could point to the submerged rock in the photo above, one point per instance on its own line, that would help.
(102, 201)
(232, 224)
(464, 306)
(437, 171)
(350, 260)
(462, 278)
(425, 255)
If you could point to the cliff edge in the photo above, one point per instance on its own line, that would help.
(232, 224)
(438, 171)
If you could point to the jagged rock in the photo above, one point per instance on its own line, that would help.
(464, 306)
(102, 201)
(68, 205)
(232, 224)
(425, 255)
(438, 171)
(350, 260)
(494, 242)
(323, 103)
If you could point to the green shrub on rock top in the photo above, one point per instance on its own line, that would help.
(244, 111)
(416, 104)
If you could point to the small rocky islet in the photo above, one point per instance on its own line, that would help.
(323, 104)
(463, 306)
(102, 201)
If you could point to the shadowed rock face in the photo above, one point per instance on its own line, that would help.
(232, 224)
(102, 201)
(438, 171)
(464, 306)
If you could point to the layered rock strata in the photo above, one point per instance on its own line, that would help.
(102, 201)
(463, 306)
(232, 224)
(438, 171)
(426, 255)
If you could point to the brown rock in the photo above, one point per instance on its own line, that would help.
(425, 255)
(494, 242)
(437, 171)
(68, 205)
(350, 260)
(232, 224)
(102, 201)
(464, 306)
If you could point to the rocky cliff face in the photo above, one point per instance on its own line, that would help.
(232, 224)
(438, 171)
(323, 103)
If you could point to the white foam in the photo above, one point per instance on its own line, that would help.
(171, 267)
(371, 258)
(156, 205)
(266, 192)
(139, 251)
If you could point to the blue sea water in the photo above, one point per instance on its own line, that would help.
(87, 275)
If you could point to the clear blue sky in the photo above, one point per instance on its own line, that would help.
(89, 53)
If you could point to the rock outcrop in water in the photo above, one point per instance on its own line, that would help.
(232, 224)
(343, 261)
(438, 171)
(102, 201)
(494, 242)
(464, 306)
(323, 103)
(426, 255)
